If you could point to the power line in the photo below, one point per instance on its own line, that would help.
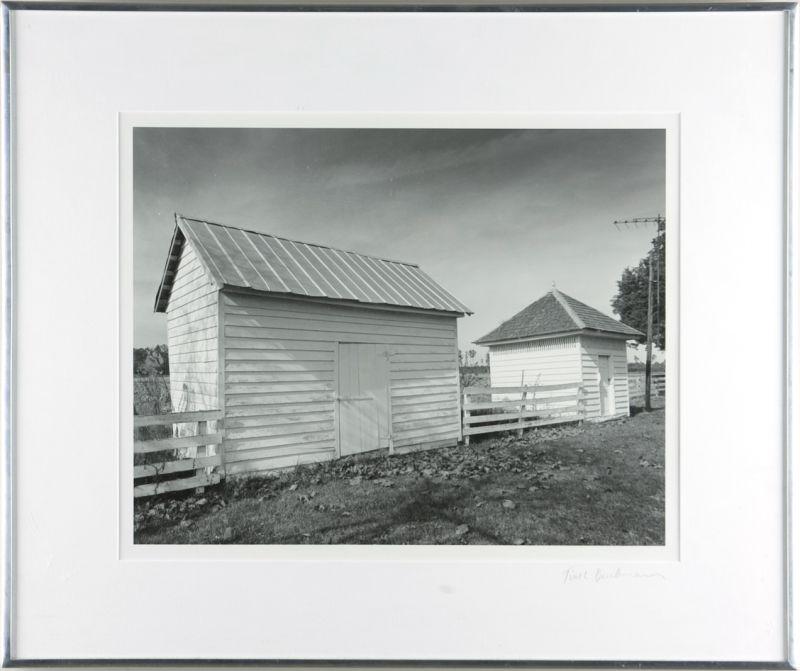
(638, 222)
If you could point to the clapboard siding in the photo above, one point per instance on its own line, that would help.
(425, 393)
(255, 464)
(323, 312)
(280, 368)
(192, 334)
(591, 348)
(304, 335)
(258, 412)
(562, 360)
(550, 361)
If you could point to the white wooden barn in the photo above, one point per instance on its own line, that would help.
(310, 352)
(559, 340)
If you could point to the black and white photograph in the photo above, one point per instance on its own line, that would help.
(400, 336)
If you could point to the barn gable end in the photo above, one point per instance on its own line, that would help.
(192, 334)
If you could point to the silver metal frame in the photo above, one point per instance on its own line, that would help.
(792, 336)
(791, 308)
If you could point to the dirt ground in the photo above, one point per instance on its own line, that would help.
(596, 484)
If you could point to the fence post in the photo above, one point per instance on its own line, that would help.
(581, 408)
(465, 424)
(221, 446)
(202, 430)
(522, 411)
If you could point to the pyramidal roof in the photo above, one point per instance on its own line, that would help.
(554, 314)
(236, 257)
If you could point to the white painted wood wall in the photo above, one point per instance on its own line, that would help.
(591, 348)
(534, 362)
(546, 361)
(192, 341)
(280, 377)
(562, 360)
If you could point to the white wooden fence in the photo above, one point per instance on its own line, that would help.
(538, 405)
(171, 463)
(636, 384)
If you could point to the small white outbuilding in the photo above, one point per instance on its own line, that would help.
(559, 340)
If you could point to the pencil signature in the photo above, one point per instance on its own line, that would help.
(572, 575)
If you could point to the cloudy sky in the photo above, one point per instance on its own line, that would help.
(495, 216)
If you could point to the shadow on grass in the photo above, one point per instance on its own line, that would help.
(425, 503)
(637, 409)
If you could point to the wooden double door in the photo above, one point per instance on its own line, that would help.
(363, 397)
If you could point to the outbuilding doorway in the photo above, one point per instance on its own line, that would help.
(363, 398)
(607, 402)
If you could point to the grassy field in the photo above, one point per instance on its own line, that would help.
(596, 484)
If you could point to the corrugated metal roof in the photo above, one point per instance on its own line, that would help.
(238, 257)
(554, 314)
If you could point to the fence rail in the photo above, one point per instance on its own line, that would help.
(198, 468)
(538, 405)
(636, 383)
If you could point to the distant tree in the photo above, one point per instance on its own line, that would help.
(151, 360)
(630, 303)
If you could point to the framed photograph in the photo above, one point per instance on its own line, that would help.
(351, 383)
(397, 335)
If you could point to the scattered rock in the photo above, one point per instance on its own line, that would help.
(508, 504)
(227, 534)
(462, 529)
(293, 487)
(518, 541)
(356, 480)
(201, 502)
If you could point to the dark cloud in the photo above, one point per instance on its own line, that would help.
(494, 215)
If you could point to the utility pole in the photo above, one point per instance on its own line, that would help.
(649, 359)
(660, 223)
